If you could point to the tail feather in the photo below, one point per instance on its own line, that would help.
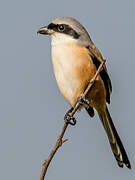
(114, 139)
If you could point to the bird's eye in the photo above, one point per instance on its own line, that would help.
(61, 27)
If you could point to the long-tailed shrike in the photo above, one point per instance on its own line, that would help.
(74, 66)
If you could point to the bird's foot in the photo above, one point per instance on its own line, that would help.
(69, 119)
(83, 102)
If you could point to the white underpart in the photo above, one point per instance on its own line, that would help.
(63, 63)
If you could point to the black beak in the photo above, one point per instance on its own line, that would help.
(44, 30)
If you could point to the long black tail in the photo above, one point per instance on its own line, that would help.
(114, 139)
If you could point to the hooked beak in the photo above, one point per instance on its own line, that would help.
(45, 31)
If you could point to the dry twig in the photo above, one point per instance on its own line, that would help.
(59, 141)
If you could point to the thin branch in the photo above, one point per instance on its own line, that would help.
(59, 141)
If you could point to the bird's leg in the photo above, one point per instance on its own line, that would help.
(69, 119)
(83, 101)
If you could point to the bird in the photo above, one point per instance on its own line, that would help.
(75, 64)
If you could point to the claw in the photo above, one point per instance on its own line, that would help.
(83, 101)
(69, 119)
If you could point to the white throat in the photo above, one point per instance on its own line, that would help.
(58, 38)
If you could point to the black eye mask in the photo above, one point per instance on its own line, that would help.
(64, 28)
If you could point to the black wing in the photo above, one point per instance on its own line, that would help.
(104, 75)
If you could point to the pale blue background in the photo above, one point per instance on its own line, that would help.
(31, 106)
